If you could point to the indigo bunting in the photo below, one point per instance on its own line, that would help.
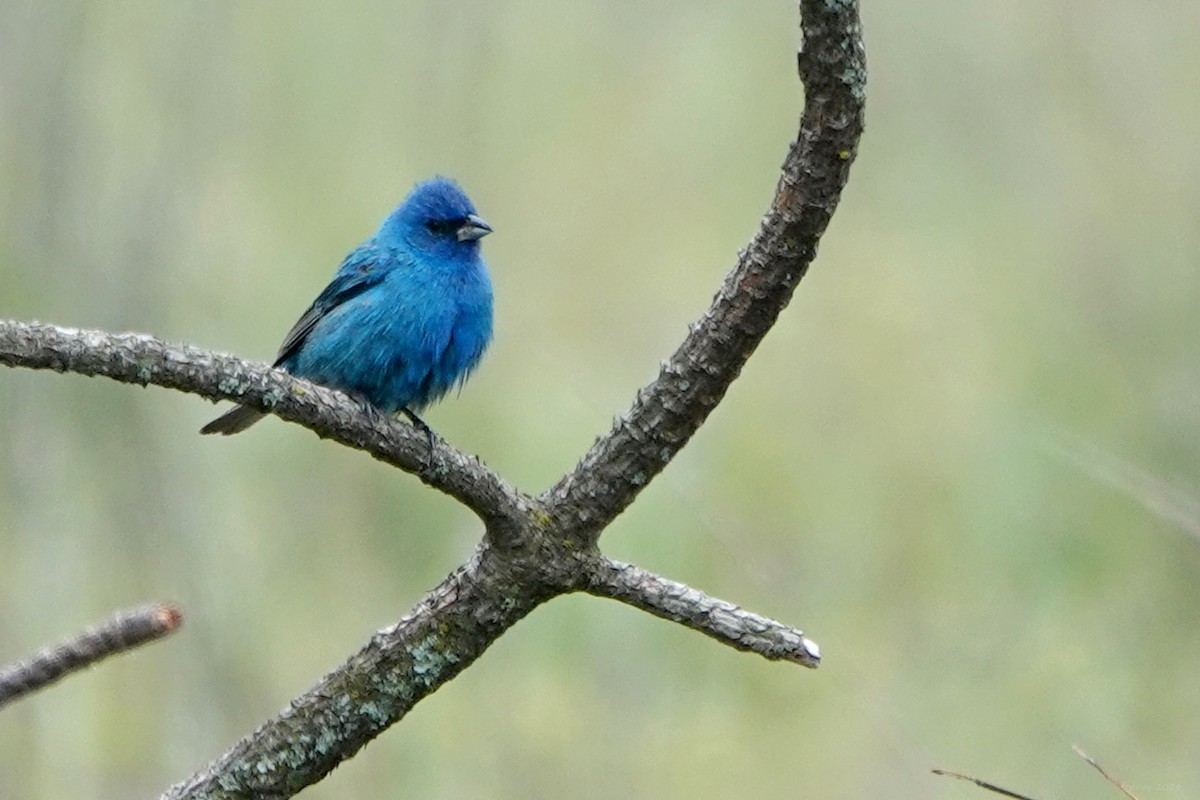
(406, 317)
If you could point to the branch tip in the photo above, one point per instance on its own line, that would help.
(122, 632)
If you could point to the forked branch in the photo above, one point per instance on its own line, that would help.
(533, 548)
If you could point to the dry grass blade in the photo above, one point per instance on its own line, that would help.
(1079, 751)
(991, 787)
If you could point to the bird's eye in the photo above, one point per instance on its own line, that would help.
(442, 227)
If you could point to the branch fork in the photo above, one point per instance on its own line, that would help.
(533, 548)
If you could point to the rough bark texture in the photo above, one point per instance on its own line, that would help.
(692, 382)
(680, 603)
(144, 360)
(376, 687)
(533, 549)
(122, 632)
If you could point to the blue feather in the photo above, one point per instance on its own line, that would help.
(407, 316)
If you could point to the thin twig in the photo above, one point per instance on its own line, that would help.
(991, 787)
(124, 631)
(1171, 503)
(1079, 751)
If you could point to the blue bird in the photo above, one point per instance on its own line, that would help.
(406, 317)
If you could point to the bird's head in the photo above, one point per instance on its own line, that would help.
(437, 218)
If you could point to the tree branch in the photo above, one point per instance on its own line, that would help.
(144, 360)
(124, 631)
(666, 414)
(533, 549)
(450, 628)
(691, 608)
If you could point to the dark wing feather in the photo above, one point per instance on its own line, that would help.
(351, 280)
(357, 273)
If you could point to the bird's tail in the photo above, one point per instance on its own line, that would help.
(234, 421)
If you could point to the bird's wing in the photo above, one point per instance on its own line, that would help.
(358, 273)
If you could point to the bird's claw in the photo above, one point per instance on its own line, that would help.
(420, 425)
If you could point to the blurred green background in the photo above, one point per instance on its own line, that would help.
(965, 461)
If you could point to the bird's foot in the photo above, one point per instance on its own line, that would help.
(420, 425)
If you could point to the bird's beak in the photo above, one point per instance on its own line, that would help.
(474, 229)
